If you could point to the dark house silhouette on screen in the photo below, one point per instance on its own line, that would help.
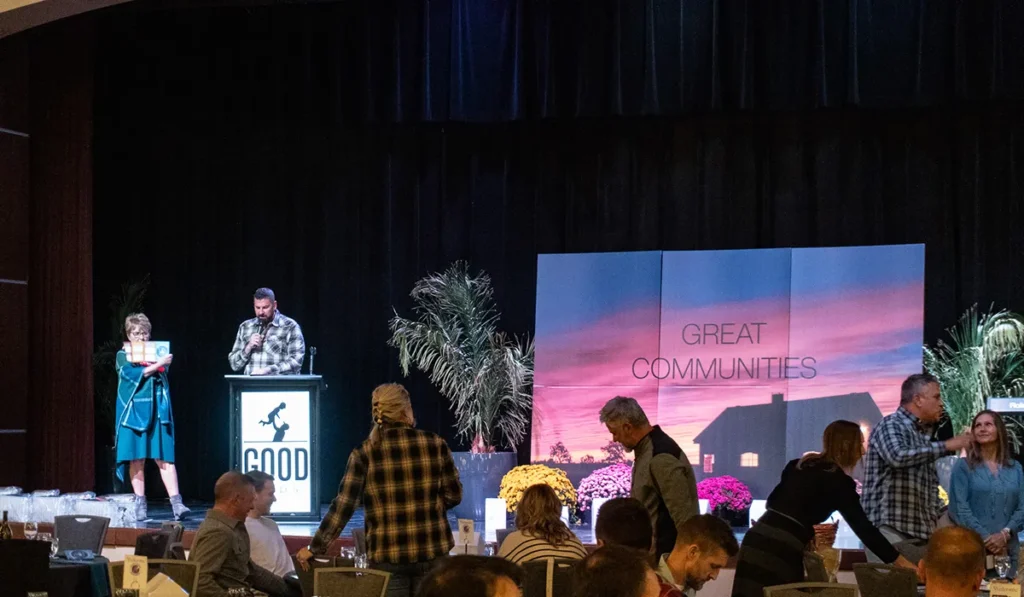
(754, 443)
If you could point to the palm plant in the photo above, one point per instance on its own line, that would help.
(128, 301)
(486, 375)
(985, 359)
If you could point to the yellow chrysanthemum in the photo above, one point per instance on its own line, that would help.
(943, 496)
(517, 480)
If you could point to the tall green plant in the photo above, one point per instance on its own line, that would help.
(486, 375)
(129, 300)
(984, 359)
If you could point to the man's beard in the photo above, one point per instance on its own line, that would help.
(693, 583)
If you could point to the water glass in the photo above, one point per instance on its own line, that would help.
(31, 530)
(54, 547)
(1002, 566)
(361, 561)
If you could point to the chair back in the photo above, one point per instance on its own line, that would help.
(350, 582)
(186, 574)
(175, 529)
(81, 532)
(306, 578)
(499, 536)
(24, 566)
(814, 568)
(881, 580)
(548, 577)
(153, 545)
(811, 589)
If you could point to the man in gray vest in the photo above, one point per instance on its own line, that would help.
(663, 479)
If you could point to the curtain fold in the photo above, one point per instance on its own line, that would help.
(509, 60)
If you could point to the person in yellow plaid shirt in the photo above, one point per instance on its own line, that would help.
(406, 481)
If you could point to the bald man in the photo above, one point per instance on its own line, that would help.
(221, 545)
(954, 564)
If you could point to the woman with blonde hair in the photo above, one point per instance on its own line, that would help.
(540, 532)
(811, 489)
(985, 491)
(144, 421)
(406, 481)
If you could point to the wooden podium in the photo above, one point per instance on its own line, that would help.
(274, 428)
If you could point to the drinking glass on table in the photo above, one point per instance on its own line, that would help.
(31, 530)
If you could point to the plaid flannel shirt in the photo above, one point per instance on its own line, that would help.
(406, 485)
(282, 351)
(900, 480)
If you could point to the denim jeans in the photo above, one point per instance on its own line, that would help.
(405, 578)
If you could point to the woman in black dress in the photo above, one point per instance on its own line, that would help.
(812, 488)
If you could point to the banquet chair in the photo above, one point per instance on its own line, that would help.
(306, 578)
(548, 577)
(882, 580)
(81, 532)
(811, 589)
(24, 566)
(186, 574)
(350, 582)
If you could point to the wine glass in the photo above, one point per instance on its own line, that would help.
(31, 530)
(1002, 566)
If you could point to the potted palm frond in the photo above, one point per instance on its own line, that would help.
(486, 375)
(984, 359)
(129, 300)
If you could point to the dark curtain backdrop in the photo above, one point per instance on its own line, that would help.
(296, 147)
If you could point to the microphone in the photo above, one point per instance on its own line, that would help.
(312, 355)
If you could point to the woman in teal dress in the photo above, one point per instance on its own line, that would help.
(145, 424)
(986, 492)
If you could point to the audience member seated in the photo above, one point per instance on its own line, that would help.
(954, 564)
(624, 521)
(221, 546)
(985, 489)
(473, 576)
(268, 549)
(704, 544)
(616, 571)
(540, 532)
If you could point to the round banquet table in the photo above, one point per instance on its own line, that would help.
(78, 579)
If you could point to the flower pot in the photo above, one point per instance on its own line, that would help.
(481, 479)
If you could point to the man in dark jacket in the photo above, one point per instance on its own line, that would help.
(663, 479)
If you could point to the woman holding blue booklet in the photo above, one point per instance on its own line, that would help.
(144, 420)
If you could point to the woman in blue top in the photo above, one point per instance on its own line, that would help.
(985, 493)
(144, 422)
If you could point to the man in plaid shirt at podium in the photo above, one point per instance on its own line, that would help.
(270, 343)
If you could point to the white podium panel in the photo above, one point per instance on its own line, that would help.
(274, 430)
(276, 439)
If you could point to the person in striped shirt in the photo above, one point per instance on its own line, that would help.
(540, 532)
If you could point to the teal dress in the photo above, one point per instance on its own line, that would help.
(145, 424)
(989, 503)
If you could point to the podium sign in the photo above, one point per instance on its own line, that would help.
(274, 430)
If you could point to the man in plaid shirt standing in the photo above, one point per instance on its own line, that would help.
(406, 481)
(270, 343)
(901, 495)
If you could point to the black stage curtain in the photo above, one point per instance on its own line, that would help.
(498, 60)
(223, 166)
